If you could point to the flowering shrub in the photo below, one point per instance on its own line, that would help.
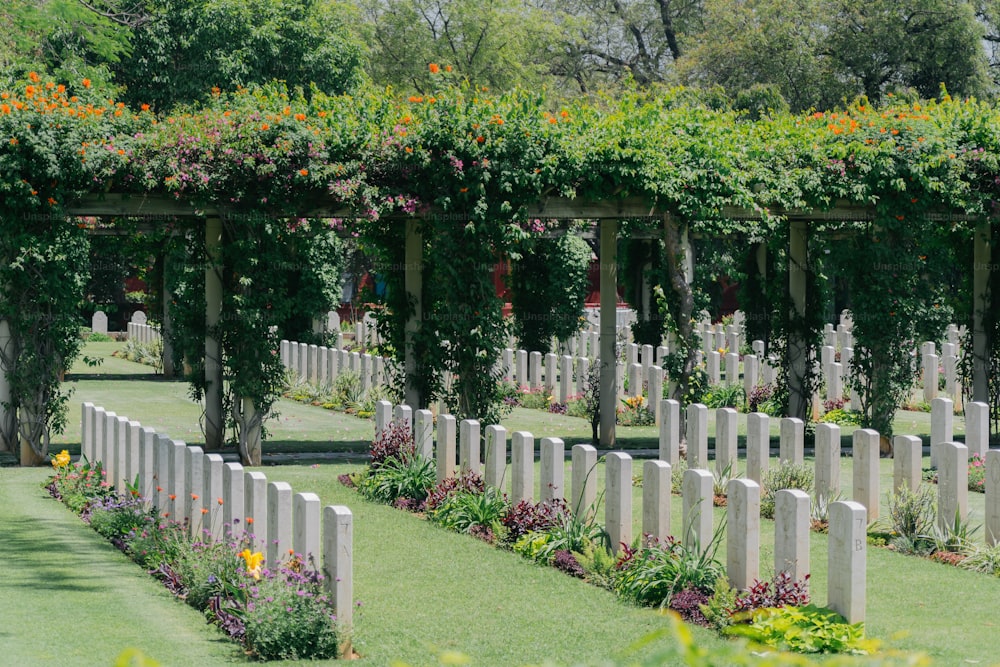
(977, 473)
(633, 411)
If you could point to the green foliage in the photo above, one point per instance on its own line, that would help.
(719, 610)
(911, 517)
(148, 353)
(599, 564)
(472, 512)
(841, 417)
(725, 396)
(784, 476)
(980, 558)
(548, 285)
(410, 477)
(98, 337)
(579, 535)
(807, 629)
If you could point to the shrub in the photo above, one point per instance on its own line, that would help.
(526, 517)
(977, 474)
(718, 610)
(115, 517)
(842, 417)
(807, 629)
(409, 478)
(763, 398)
(911, 518)
(467, 482)
(781, 591)
(651, 574)
(98, 337)
(598, 563)
(784, 476)
(633, 411)
(477, 513)
(395, 441)
(688, 603)
(984, 559)
(565, 561)
(289, 619)
(725, 396)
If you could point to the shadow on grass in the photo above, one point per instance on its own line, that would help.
(144, 377)
(45, 558)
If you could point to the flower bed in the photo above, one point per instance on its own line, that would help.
(276, 613)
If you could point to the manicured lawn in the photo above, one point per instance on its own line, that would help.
(425, 591)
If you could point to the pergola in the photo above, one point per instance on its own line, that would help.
(608, 214)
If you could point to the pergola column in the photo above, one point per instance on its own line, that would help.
(798, 267)
(982, 257)
(214, 422)
(8, 424)
(413, 281)
(166, 328)
(609, 322)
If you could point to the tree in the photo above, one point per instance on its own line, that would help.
(187, 47)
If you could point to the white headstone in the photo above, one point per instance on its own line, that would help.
(618, 500)
(656, 484)
(584, 479)
(99, 322)
(743, 532)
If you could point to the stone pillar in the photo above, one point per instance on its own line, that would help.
(233, 501)
(670, 430)
(798, 347)
(582, 375)
(758, 445)
(743, 532)
(445, 452)
(550, 373)
(468, 446)
(827, 461)
(496, 455)
(338, 566)
(279, 522)
(791, 448)
(521, 369)
(584, 480)
(565, 378)
(423, 433)
(654, 380)
(635, 380)
(522, 463)
(553, 469)
(147, 467)
(215, 425)
(535, 371)
(618, 499)
(977, 428)
(725, 442)
(791, 533)
(306, 532)
(609, 315)
(212, 494)
(383, 415)
(751, 373)
(86, 429)
(713, 362)
(953, 484)
(942, 425)
(697, 503)
(907, 457)
(656, 484)
(992, 523)
(732, 368)
(697, 435)
(163, 447)
(255, 497)
(176, 483)
(865, 456)
(846, 566)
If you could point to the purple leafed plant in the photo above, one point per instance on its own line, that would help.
(566, 561)
(688, 603)
(782, 591)
(526, 517)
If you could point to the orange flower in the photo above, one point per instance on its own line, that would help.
(13, 141)
(121, 151)
(434, 68)
(265, 127)
(303, 172)
(463, 189)
(4, 108)
(300, 116)
(86, 83)
(553, 120)
(33, 76)
(447, 68)
(172, 496)
(408, 149)
(480, 138)
(159, 489)
(204, 511)
(564, 113)
(194, 496)
(52, 202)
(60, 89)
(29, 91)
(218, 500)
(145, 107)
(249, 520)
(894, 131)
(287, 111)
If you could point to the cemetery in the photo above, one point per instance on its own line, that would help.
(648, 482)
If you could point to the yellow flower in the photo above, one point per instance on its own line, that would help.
(721, 351)
(254, 562)
(60, 460)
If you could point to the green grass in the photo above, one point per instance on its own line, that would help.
(425, 591)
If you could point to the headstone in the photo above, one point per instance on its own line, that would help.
(835, 382)
(631, 354)
(647, 359)
(656, 485)
(176, 480)
(333, 322)
(97, 434)
(635, 380)
(751, 373)
(535, 371)
(162, 448)
(942, 421)
(758, 348)
(521, 369)
(582, 372)
(565, 378)
(255, 497)
(194, 487)
(697, 435)
(468, 446)
(234, 502)
(508, 365)
(758, 445)
(584, 480)
(791, 448)
(496, 455)
(907, 456)
(423, 433)
(654, 383)
(279, 522)
(303, 362)
(338, 566)
(213, 490)
(743, 533)
(846, 556)
(86, 431)
(99, 322)
(791, 533)
(712, 369)
(121, 454)
(366, 371)
(383, 415)
(147, 466)
(992, 522)
(930, 377)
(726, 442)
(953, 484)
(323, 366)
(950, 364)
(306, 533)
(866, 451)
(732, 369)
(553, 469)
(670, 430)
(445, 451)
(696, 490)
(403, 414)
(313, 360)
(827, 479)
(522, 463)
(618, 499)
(977, 428)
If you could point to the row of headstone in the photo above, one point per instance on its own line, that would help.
(932, 365)
(847, 519)
(220, 500)
(143, 333)
(321, 365)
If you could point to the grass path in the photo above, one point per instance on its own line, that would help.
(67, 597)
